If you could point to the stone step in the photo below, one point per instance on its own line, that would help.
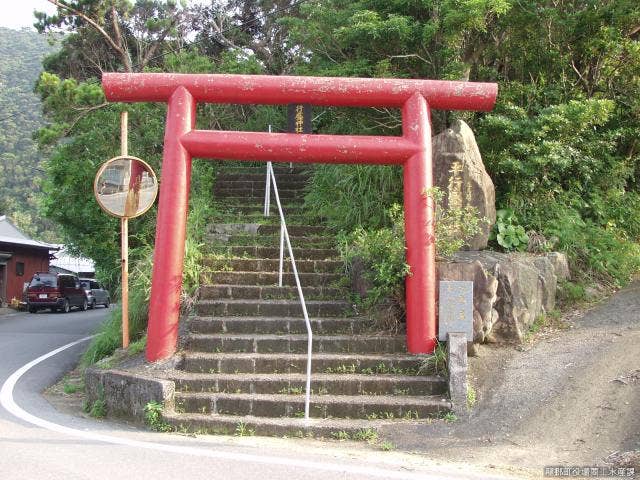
(258, 208)
(287, 202)
(268, 292)
(253, 229)
(282, 168)
(288, 426)
(198, 362)
(261, 343)
(321, 383)
(258, 218)
(274, 252)
(257, 185)
(272, 240)
(295, 230)
(257, 178)
(269, 265)
(279, 325)
(217, 277)
(321, 406)
(285, 308)
(224, 193)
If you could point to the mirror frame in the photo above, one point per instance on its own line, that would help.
(101, 170)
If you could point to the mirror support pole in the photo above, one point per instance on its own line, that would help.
(124, 227)
(124, 236)
(134, 182)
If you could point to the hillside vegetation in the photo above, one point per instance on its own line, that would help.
(21, 55)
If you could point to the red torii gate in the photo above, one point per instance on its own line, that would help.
(181, 142)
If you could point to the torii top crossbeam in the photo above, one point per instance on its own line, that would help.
(272, 90)
(182, 142)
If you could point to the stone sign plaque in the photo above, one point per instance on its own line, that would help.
(456, 309)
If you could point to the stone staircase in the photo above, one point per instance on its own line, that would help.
(244, 355)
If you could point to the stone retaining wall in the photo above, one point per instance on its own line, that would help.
(511, 290)
(126, 393)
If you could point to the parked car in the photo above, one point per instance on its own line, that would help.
(96, 294)
(57, 291)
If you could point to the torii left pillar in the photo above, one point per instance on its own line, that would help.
(412, 150)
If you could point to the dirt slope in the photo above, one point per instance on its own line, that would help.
(571, 398)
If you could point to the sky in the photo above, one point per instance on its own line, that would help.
(19, 13)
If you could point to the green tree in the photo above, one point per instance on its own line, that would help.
(562, 142)
(92, 138)
(83, 132)
(249, 26)
(112, 34)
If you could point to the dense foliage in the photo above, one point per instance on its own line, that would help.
(92, 137)
(21, 54)
(562, 142)
(78, 113)
(112, 34)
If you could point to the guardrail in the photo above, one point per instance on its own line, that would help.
(284, 237)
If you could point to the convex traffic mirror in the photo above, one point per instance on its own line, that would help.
(125, 187)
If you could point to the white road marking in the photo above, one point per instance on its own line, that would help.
(8, 402)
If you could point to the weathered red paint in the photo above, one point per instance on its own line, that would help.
(413, 150)
(132, 203)
(168, 256)
(271, 90)
(419, 228)
(293, 147)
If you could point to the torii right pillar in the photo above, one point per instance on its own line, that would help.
(419, 212)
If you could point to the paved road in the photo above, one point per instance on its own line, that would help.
(118, 451)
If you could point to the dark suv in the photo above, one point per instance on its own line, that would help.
(57, 291)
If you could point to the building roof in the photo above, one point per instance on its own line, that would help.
(73, 264)
(9, 233)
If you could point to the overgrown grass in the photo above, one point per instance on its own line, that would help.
(109, 336)
(382, 250)
(138, 346)
(472, 396)
(97, 409)
(242, 430)
(450, 417)
(368, 435)
(570, 293)
(580, 200)
(71, 388)
(436, 363)
(153, 417)
(601, 252)
(350, 196)
(548, 320)
(383, 253)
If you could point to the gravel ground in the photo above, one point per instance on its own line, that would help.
(570, 397)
